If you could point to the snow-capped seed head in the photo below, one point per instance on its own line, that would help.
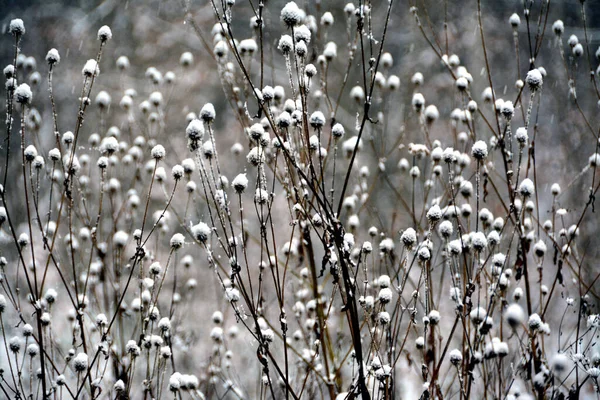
(301, 49)
(330, 51)
(479, 151)
(521, 136)
(2, 303)
(30, 153)
(120, 239)
(418, 101)
(514, 20)
(393, 82)
(119, 386)
(9, 71)
(23, 240)
(80, 362)
(291, 14)
(455, 357)
(256, 131)
(507, 109)
(534, 322)
(16, 27)
(208, 113)
(560, 363)
(14, 344)
(478, 315)
(101, 320)
(123, 64)
(540, 248)
(573, 40)
(386, 246)
(384, 318)
(52, 57)
(514, 315)
(240, 183)
(445, 229)
(420, 342)
(434, 317)
(177, 172)
(384, 281)
(302, 35)
(434, 214)
(409, 237)
(317, 120)
(462, 83)
(104, 33)
(385, 295)
(90, 68)
(175, 382)
(201, 232)
(256, 156)
(268, 93)
(338, 131)
(310, 70)
(158, 152)
(479, 241)
(327, 19)
(526, 188)
(195, 130)
(424, 254)
(558, 27)
(248, 46)
(186, 59)
(286, 44)
(431, 113)
(103, 99)
(23, 94)
(534, 79)
(177, 241)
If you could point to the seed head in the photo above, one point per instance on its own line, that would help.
(455, 357)
(286, 44)
(558, 27)
(158, 152)
(291, 14)
(434, 214)
(514, 21)
(409, 237)
(90, 69)
(15, 344)
(534, 79)
(479, 150)
(104, 33)
(201, 232)
(527, 188)
(16, 27)
(207, 114)
(418, 101)
(23, 94)
(177, 241)
(240, 183)
(317, 120)
(53, 58)
(534, 322)
(478, 315)
(80, 362)
(30, 153)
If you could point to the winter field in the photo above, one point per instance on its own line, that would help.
(263, 199)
